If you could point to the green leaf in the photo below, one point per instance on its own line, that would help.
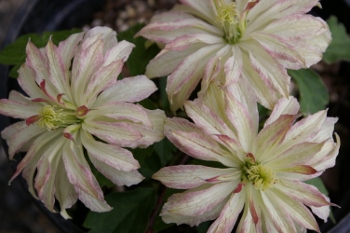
(15, 53)
(141, 54)
(313, 93)
(165, 151)
(337, 50)
(130, 214)
(148, 161)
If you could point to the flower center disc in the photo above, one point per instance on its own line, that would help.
(261, 176)
(230, 20)
(51, 117)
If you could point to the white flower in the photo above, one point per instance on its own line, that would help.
(263, 171)
(76, 106)
(254, 40)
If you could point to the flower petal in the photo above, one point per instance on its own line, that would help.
(132, 89)
(111, 155)
(192, 176)
(195, 203)
(191, 140)
(118, 133)
(228, 216)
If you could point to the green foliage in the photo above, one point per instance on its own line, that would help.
(140, 55)
(313, 92)
(130, 214)
(15, 54)
(338, 49)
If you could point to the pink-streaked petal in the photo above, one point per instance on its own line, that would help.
(268, 68)
(271, 136)
(233, 66)
(187, 75)
(118, 133)
(111, 155)
(166, 61)
(105, 34)
(46, 173)
(280, 49)
(327, 156)
(193, 203)
(118, 177)
(275, 212)
(326, 130)
(191, 140)
(22, 135)
(306, 129)
(121, 112)
(284, 106)
(37, 61)
(132, 89)
(183, 42)
(104, 77)
(26, 79)
(301, 153)
(29, 162)
(297, 211)
(239, 116)
(150, 133)
(192, 176)
(323, 211)
(266, 94)
(172, 217)
(67, 50)
(204, 7)
(85, 64)
(65, 192)
(56, 68)
(228, 216)
(289, 27)
(206, 119)
(305, 193)
(79, 173)
(18, 109)
(179, 22)
(265, 11)
(120, 51)
(93, 203)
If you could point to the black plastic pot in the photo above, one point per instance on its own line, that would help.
(37, 16)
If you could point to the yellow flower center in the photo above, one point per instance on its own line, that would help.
(261, 176)
(233, 24)
(51, 117)
(227, 13)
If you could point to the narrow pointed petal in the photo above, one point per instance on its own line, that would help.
(192, 176)
(79, 173)
(228, 216)
(118, 133)
(93, 203)
(197, 202)
(284, 106)
(188, 138)
(114, 156)
(130, 90)
(65, 192)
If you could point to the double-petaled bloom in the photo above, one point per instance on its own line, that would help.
(254, 40)
(76, 109)
(259, 173)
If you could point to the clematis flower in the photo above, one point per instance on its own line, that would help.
(253, 40)
(76, 109)
(258, 174)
